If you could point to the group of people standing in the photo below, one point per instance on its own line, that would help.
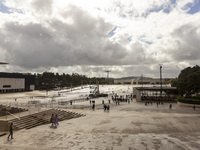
(54, 120)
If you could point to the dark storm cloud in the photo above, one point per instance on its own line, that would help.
(85, 41)
(70, 36)
(43, 6)
(186, 41)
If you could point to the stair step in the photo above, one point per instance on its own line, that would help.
(33, 120)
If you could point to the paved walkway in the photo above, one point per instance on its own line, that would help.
(126, 127)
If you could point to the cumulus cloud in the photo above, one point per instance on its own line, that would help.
(127, 37)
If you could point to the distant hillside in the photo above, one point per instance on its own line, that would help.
(134, 77)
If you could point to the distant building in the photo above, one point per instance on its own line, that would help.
(155, 93)
(16, 82)
(140, 80)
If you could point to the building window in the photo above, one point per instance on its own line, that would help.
(6, 86)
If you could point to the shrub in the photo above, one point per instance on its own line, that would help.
(189, 100)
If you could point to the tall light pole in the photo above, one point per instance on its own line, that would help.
(160, 81)
(108, 75)
(142, 84)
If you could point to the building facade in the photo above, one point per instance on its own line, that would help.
(16, 82)
(140, 80)
(155, 93)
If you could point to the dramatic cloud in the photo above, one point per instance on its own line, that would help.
(130, 37)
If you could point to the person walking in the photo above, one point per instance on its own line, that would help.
(52, 120)
(56, 120)
(170, 106)
(11, 131)
(108, 107)
(93, 106)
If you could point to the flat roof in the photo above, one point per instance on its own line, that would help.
(157, 88)
(15, 75)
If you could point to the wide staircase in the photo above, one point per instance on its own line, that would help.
(33, 120)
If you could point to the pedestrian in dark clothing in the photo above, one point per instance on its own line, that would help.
(11, 131)
(93, 106)
(108, 107)
(52, 120)
(170, 106)
(105, 107)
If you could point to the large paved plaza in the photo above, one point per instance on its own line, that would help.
(126, 126)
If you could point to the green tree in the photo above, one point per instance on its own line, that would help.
(174, 82)
(49, 80)
(189, 81)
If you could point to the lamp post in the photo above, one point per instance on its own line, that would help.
(142, 84)
(160, 81)
(108, 71)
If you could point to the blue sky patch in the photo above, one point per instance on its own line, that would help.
(147, 42)
(3, 8)
(193, 8)
(129, 39)
(111, 33)
(166, 8)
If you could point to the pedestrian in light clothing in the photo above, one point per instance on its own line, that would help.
(11, 131)
(56, 120)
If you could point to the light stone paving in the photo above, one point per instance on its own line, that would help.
(125, 127)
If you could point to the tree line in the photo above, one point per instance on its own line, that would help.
(188, 81)
(49, 80)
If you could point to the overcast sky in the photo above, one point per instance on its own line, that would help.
(127, 37)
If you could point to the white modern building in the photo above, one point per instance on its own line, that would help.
(16, 82)
(140, 80)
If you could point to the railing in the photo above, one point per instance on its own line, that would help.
(35, 106)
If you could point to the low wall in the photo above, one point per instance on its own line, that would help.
(188, 105)
(4, 126)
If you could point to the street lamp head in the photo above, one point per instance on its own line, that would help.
(3, 63)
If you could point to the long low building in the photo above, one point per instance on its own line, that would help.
(140, 80)
(155, 93)
(16, 82)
